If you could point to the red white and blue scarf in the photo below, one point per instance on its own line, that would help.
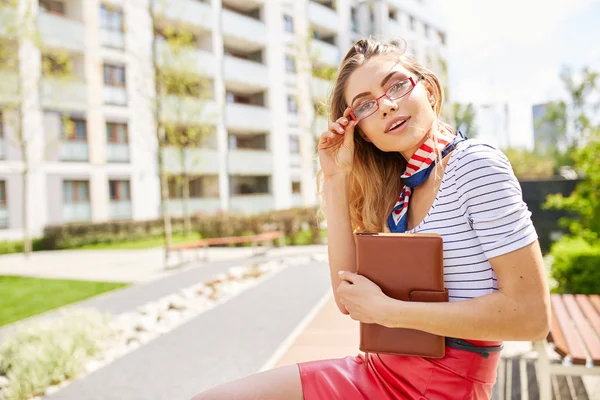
(417, 171)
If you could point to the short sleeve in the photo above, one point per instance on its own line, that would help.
(491, 198)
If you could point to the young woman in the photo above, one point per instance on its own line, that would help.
(389, 164)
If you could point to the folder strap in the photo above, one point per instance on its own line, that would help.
(461, 344)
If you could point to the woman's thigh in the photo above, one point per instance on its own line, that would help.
(276, 384)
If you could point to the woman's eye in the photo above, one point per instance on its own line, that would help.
(365, 107)
(398, 87)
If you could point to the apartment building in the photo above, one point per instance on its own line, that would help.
(89, 123)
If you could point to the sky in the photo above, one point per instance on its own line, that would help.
(512, 51)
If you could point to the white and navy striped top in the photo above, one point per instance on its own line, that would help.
(480, 213)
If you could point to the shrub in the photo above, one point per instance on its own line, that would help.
(45, 353)
(17, 246)
(576, 266)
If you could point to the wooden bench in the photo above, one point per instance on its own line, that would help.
(574, 335)
(265, 238)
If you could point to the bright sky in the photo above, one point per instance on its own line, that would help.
(513, 50)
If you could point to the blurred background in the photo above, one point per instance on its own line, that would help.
(133, 129)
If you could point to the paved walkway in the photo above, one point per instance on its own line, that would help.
(124, 265)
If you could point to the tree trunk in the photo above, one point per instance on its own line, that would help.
(187, 220)
(27, 246)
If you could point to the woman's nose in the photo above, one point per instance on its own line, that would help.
(387, 106)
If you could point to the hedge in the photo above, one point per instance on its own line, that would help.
(296, 223)
(576, 266)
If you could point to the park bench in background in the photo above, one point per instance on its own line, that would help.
(574, 336)
(265, 239)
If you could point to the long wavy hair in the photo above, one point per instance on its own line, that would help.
(374, 182)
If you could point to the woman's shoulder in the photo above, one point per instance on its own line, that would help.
(475, 155)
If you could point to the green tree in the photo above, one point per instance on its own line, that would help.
(566, 123)
(462, 117)
(529, 165)
(582, 143)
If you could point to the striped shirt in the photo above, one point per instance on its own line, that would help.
(480, 213)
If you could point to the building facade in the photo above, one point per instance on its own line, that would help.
(89, 102)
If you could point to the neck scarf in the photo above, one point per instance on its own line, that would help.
(417, 171)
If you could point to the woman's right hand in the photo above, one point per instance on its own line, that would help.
(336, 146)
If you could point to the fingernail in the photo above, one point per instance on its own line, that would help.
(344, 120)
(340, 273)
(340, 130)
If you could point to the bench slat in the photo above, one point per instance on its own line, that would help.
(595, 300)
(591, 317)
(261, 237)
(584, 328)
(575, 349)
(557, 337)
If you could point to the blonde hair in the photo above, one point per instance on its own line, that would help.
(374, 182)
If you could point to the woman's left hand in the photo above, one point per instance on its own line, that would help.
(363, 299)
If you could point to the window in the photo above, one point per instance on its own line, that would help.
(233, 98)
(76, 191)
(248, 142)
(241, 185)
(292, 105)
(288, 23)
(111, 19)
(413, 23)
(114, 75)
(294, 145)
(74, 129)
(354, 19)
(199, 187)
(3, 213)
(116, 132)
(119, 190)
(442, 37)
(392, 14)
(53, 6)
(290, 63)
(296, 187)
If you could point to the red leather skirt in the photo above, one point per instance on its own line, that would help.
(460, 374)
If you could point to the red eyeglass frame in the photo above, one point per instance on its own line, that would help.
(413, 83)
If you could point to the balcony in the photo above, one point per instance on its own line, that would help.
(117, 152)
(187, 59)
(74, 151)
(76, 212)
(64, 93)
(120, 209)
(252, 203)
(323, 17)
(320, 88)
(61, 32)
(198, 161)
(395, 29)
(191, 12)
(115, 96)
(2, 151)
(248, 118)
(7, 13)
(297, 200)
(250, 162)
(295, 160)
(325, 53)
(241, 31)
(194, 205)
(243, 75)
(8, 86)
(189, 110)
(112, 39)
(3, 216)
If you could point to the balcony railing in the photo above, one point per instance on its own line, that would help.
(74, 151)
(252, 203)
(326, 53)
(62, 32)
(246, 73)
(120, 209)
(3, 217)
(64, 93)
(244, 29)
(250, 162)
(208, 205)
(112, 39)
(186, 59)
(322, 16)
(114, 95)
(248, 118)
(75, 212)
(198, 161)
(117, 152)
(191, 12)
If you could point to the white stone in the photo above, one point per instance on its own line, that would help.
(92, 365)
(145, 323)
(4, 382)
(237, 273)
(177, 303)
(50, 390)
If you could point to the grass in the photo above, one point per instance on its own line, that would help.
(145, 243)
(23, 297)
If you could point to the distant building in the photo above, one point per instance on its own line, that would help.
(543, 132)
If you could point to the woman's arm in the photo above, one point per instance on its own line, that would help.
(340, 239)
(520, 310)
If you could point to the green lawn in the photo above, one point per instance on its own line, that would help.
(22, 297)
(145, 243)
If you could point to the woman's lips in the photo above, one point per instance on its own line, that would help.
(399, 128)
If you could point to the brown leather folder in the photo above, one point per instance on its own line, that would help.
(407, 267)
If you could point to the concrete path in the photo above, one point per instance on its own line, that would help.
(228, 342)
(122, 265)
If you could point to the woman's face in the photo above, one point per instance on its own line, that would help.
(374, 78)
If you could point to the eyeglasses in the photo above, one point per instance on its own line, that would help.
(397, 90)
